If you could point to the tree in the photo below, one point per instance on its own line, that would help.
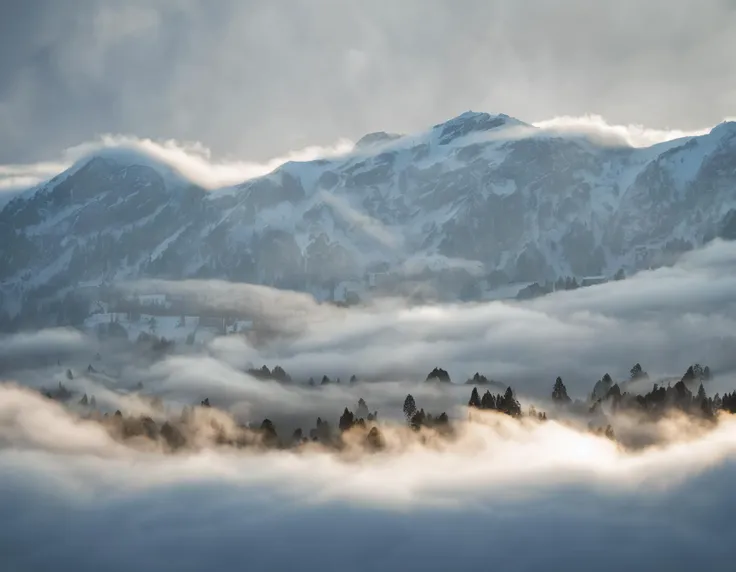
(410, 406)
(418, 419)
(268, 431)
(509, 404)
(698, 371)
(474, 399)
(347, 419)
(559, 392)
(701, 394)
(280, 375)
(488, 401)
(636, 371)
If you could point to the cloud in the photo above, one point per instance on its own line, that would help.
(191, 160)
(502, 485)
(196, 163)
(45, 342)
(191, 72)
(631, 135)
(551, 487)
(371, 227)
(666, 319)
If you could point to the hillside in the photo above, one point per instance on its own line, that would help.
(473, 203)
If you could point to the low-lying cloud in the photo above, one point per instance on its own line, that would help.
(500, 485)
(666, 319)
(528, 492)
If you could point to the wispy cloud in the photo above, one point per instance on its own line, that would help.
(596, 126)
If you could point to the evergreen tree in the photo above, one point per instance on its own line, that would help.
(410, 406)
(559, 393)
(637, 371)
(474, 399)
(488, 401)
(346, 420)
(418, 419)
(509, 405)
(702, 396)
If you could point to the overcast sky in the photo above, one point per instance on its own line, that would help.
(255, 78)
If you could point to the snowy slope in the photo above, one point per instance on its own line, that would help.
(478, 196)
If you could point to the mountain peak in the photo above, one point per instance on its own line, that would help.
(473, 122)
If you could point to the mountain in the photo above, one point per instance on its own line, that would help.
(480, 199)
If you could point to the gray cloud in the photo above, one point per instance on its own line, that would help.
(256, 79)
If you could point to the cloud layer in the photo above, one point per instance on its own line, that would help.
(666, 319)
(253, 79)
(525, 493)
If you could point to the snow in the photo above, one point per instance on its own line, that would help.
(402, 224)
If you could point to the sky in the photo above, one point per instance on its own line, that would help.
(254, 79)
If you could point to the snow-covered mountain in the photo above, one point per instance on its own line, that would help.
(480, 197)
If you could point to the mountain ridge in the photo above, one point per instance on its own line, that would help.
(477, 201)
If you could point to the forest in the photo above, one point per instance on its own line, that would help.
(205, 423)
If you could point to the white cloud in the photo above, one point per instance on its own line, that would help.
(550, 488)
(666, 319)
(597, 126)
(191, 160)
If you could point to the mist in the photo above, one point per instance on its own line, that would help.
(527, 491)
